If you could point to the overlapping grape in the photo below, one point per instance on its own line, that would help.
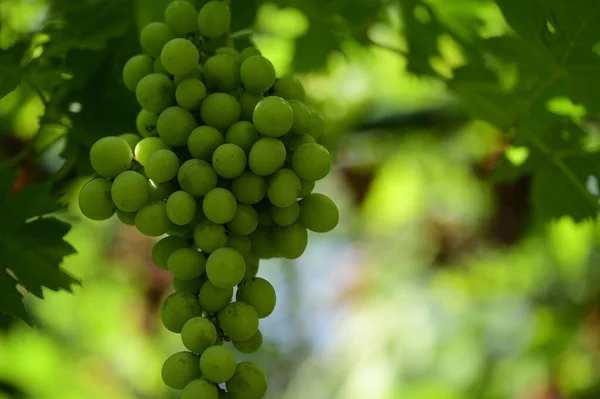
(222, 169)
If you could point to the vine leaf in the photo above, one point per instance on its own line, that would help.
(11, 70)
(32, 245)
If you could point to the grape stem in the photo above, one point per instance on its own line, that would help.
(240, 34)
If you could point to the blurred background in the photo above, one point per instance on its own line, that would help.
(437, 284)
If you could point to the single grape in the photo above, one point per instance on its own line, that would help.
(135, 69)
(155, 92)
(258, 293)
(262, 243)
(180, 16)
(258, 74)
(192, 286)
(285, 216)
(248, 52)
(162, 166)
(179, 369)
(229, 161)
(197, 177)
(190, 93)
(243, 134)
(228, 51)
(210, 236)
(219, 205)
(248, 382)
(95, 200)
(289, 88)
(127, 218)
(160, 191)
(306, 188)
(217, 364)
(180, 56)
(175, 125)
(164, 248)
(317, 126)
(245, 220)
(220, 110)
(311, 161)
(248, 102)
(303, 120)
(154, 36)
(203, 142)
(177, 309)
(283, 188)
(181, 208)
(130, 191)
(214, 19)
(239, 321)
(290, 241)
(158, 67)
(266, 156)
(151, 220)
(198, 334)
(242, 244)
(225, 268)
(251, 345)
(273, 116)
(213, 299)
(186, 263)
(318, 213)
(147, 147)
(146, 123)
(110, 156)
(222, 73)
(249, 188)
(131, 139)
(200, 389)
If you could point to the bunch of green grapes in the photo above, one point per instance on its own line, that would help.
(222, 169)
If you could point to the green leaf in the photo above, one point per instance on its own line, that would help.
(313, 48)
(31, 244)
(11, 70)
(359, 16)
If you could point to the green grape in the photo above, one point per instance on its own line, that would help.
(181, 208)
(179, 369)
(248, 382)
(154, 36)
(239, 321)
(228, 51)
(229, 161)
(220, 110)
(190, 93)
(245, 220)
(306, 187)
(160, 191)
(213, 299)
(217, 364)
(289, 88)
(285, 216)
(222, 73)
(225, 268)
(266, 156)
(158, 67)
(197, 177)
(290, 241)
(210, 236)
(251, 345)
(151, 220)
(311, 161)
(319, 213)
(283, 188)
(146, 123)
(180, 16)
(317, 126)
(130, 191)
(131, 139)
(155, 92)
(303, 120)
(164, 248)
(195, 74)
(200, 389)
(180, 57)
(181, 231)
(249, 188)
(186, 263)
(95, 200)
(273, 116)
(110, 156)
(242, 244)
(162, 166)
(203, 142)
(127, 218)
(147, 147)
(219, 205)
(177, 309)
(262, 244)
(214, 19)
(175, 125)
(248, 102)
(192, 286)
(248, 52)
(252, 265)
(198, 334)
(135, 69)
(243, 134)
(258, 293)
(257, 74)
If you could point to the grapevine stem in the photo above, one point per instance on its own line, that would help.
(240, 34)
